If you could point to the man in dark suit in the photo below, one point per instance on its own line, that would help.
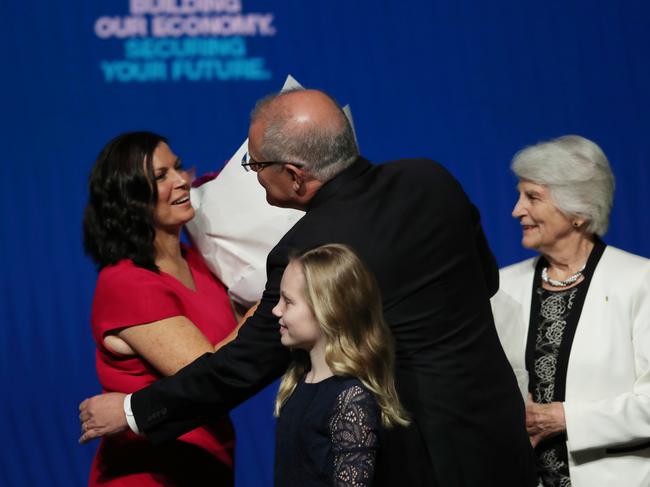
(414, 226)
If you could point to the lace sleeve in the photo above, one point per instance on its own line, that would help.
(353, 432)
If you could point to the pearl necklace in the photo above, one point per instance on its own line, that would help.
(567, 282)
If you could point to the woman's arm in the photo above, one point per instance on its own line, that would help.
(623, 419)
(169, 344)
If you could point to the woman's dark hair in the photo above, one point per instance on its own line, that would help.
(118, 220)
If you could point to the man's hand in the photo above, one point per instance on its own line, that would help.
(544, 420)
(101, 416)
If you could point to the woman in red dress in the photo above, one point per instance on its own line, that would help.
(156, 308)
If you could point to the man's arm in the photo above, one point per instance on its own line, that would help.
(102, 415)
(214, 383)
(488, 261)
(92, 407)
(208, 387)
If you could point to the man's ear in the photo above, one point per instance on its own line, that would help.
(298, 177)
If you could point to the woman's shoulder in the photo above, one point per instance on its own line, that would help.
(618, 265)
(128, 295)
(629, 261)
(125, 282)
(125, 272)
(519, 268)
(514, 276)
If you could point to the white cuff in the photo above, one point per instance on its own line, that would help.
(130, 419)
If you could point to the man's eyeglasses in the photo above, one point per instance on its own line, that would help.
(250, 164)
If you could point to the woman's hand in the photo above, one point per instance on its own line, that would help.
(544, 420)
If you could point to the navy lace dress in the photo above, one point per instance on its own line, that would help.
(327, 435)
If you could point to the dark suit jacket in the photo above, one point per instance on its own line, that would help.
(411, 222)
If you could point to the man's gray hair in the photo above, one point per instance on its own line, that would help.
(323, 149)
(578, 175)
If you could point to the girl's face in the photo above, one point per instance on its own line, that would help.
(173, 208)
(298, 325)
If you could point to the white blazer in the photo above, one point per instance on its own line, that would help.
(607, 401)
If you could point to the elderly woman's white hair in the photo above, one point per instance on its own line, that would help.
(578, 175)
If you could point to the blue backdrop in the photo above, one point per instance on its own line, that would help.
(466, 82)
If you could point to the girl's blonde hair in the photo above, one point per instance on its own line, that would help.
(344, 297)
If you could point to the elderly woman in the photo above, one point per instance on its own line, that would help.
(156, 308)
(575, 322)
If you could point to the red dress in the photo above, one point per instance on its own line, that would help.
(125, 296)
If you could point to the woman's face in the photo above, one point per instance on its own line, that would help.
(298, 325)
(544, 226)
(173, 208)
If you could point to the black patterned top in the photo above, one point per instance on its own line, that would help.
(554, 318)
(327, 435)
(557, 313)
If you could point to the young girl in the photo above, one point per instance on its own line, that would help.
(340, 387)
